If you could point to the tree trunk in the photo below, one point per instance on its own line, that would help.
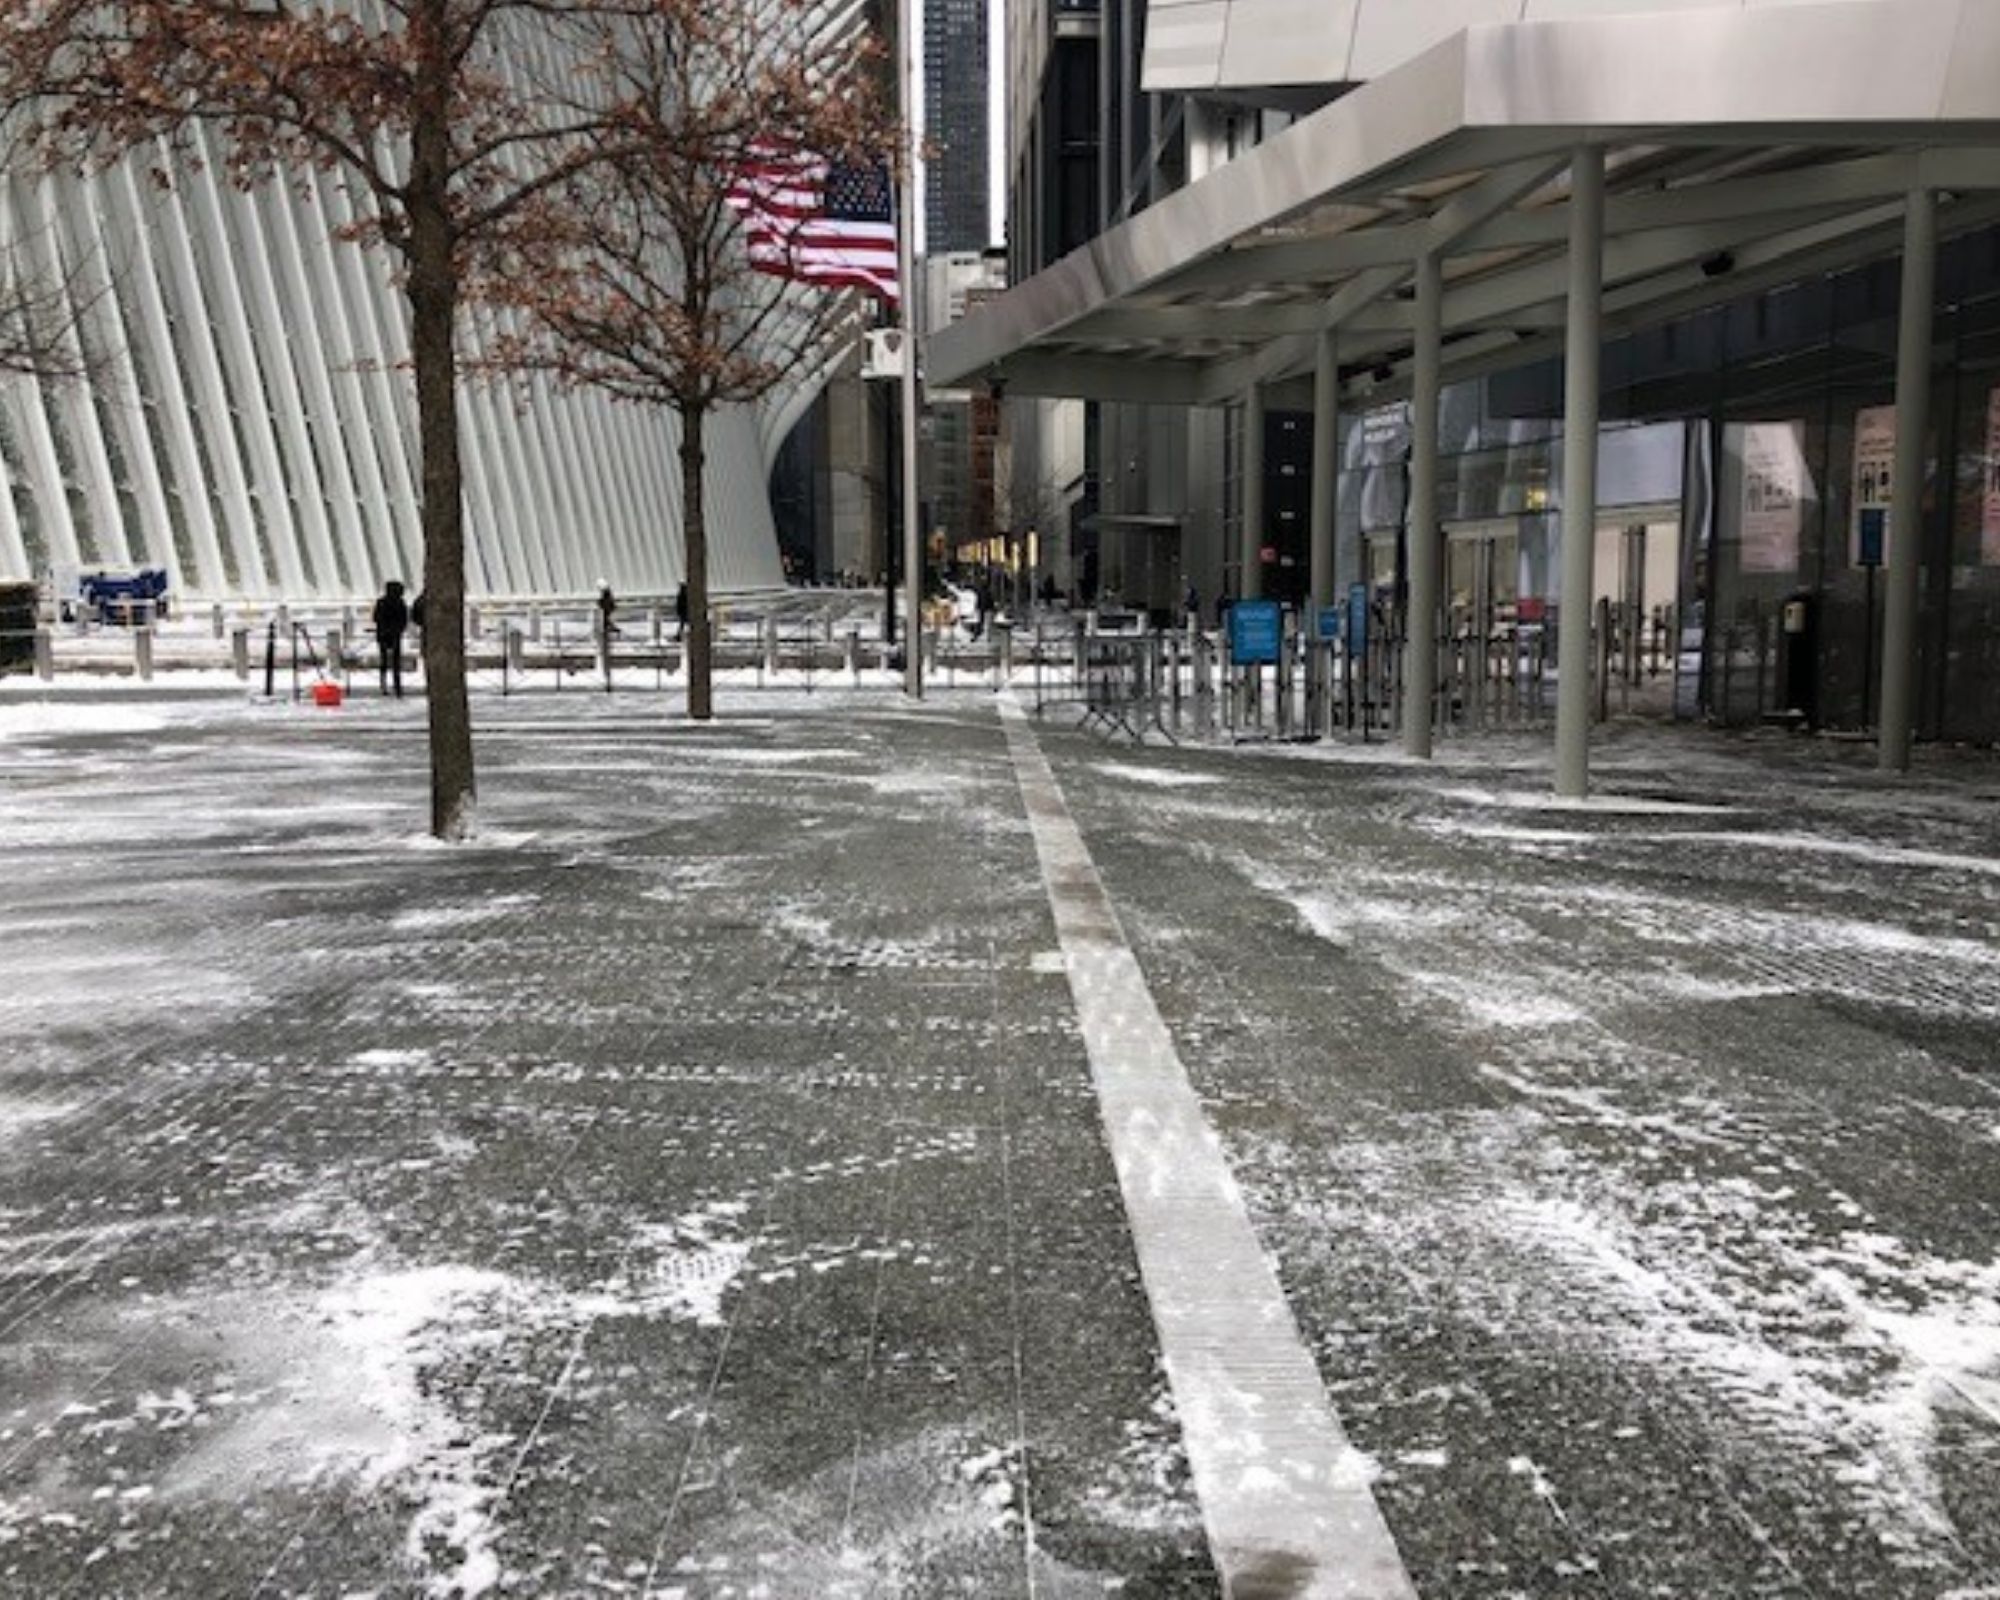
(700, 654)
(433, 288)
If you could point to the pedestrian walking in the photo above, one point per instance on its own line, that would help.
(681, 611)
(607, 608)
(982, 607)
(392, 618)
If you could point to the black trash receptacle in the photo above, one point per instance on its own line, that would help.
(1800, 623)
(20, 613)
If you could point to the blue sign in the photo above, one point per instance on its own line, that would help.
(1254, 630)
(1330, 620)
(1357, 619)
(1874, 534)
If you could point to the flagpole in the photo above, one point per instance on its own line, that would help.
(906, 270)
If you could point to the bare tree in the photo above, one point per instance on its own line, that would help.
(433, 112)
(42, 314)
(664, 293)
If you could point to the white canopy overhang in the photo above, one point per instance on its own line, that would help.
(1743, 149)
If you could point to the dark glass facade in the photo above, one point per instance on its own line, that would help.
(1747, 449)
(955, 125)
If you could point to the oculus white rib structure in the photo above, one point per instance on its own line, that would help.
(248, 420)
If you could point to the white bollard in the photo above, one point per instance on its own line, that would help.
(852, 653)
(239, 652)
(771, 645)
(336, 653)
(472, 622)
(142, 653)
(215, 619)
(535, 623)
(45, 655)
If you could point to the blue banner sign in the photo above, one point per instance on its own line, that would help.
(1357, 619)
(1873, 536)
(1254, 628)
(1331, 621)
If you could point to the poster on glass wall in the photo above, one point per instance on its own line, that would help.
(1989, 518)
(1774, 491)
(1874, 468)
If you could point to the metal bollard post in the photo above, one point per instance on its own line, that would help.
(215, 619)
(851, 655)
(1603, 659)
(1005, 633)
(336, 654)
(771, 645)
(535, 623)
(142, 652)
(45, 655)
(656, 625)
(473, 624)
(283, 618)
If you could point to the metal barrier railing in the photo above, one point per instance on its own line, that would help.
(1166, 682)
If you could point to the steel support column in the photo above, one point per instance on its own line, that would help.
(1325, 464)
(906, 276)
(1906, 503)
(1421, 647)
(1250, 537)
(1579, 470)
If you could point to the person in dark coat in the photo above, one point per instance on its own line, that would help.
(681, 611)
(392, 620)
(607, 608)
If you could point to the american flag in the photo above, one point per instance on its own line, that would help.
(820, 221)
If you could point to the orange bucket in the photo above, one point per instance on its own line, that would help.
(326, 694)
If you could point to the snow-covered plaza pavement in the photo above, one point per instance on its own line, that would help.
(699, 1187)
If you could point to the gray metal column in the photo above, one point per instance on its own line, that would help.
(1250, 537)
(1906, 501)
(1420, 650)
(1325, 464)
(906, 276)
(1579, 470)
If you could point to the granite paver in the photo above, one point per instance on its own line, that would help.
(696, 1188)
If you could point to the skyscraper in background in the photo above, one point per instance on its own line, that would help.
(955, 124)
